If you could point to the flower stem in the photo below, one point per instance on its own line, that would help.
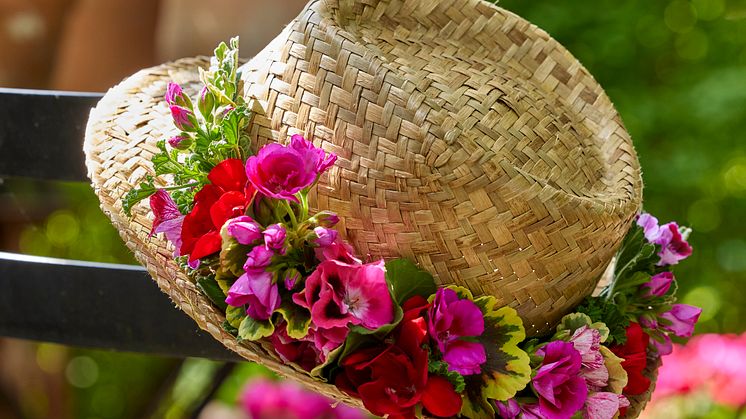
(290, 212)
(184, 186)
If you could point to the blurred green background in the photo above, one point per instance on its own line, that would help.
(676, 70)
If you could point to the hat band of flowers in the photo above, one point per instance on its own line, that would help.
(381, 331)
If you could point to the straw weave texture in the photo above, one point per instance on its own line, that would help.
(468, 140)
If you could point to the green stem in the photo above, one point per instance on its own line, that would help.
(304, 205)
(290, 212)
(184, 186)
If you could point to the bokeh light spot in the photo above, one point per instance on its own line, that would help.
(680, 16)
(82, 372)
(734, 177)
(62, 228)
(705, 297)
(51, 358)
(704, 215)
(731, 255)
(709, 9)
(692, 45)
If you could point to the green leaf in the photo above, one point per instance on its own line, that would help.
(385, 329)
(441, 368)
(406, 280)
(232, 124)
(136, 195)
(252, 329)
(235, 315)
(229, 328)
(507, 369)
(617, 374)
(212, 290)
(298, 319)
(331, 358)
(609, 313)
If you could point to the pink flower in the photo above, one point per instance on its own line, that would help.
(263, 399)
(649, 226)
(168, 218)
(274, 237)
(327, 340)
(183, 118)
(255, 290)
(673, 246)
(338, 294)
(280, 172)
(244, 229)
(509, 409)
(339, 251)
(315, 158)
(449, 320)
(258, 258)
(561, 389)
(587, 342)
(603, 405)
(325, 236)
(683, 317)
(659, 284)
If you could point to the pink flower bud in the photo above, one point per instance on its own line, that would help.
(274, 237)
(258, 258)
(206, 102)
(180, 142)
(292, 277)
(326, 219)
(244, 229)
(658, 284)
(183, 118)
(175, 96)
(324, 236)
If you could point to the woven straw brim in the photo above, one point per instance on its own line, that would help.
(496, 161)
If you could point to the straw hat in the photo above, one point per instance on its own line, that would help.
(468, 140)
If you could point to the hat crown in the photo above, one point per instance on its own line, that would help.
(469, 141)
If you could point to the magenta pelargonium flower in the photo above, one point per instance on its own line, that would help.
(168, 218)
(315, 157)
(255, 290)
(325, 236)
(282, 171)
(263, 399)
(561, 389)
(258, 258)
(450, 320)
(683, 317)
(338, 294)
(674, 248)
(659, 284)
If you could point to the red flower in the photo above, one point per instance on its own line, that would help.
(226, 197)
(393, 379)
(635, 361)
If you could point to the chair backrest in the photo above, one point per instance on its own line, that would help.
(72, 302)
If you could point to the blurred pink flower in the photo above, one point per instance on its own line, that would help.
(264, 399)
(712, 363)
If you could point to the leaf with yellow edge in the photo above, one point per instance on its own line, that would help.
(297, 318)
(253, 329)
(617, 374)
(507, 369)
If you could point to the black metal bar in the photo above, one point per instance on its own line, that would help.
(96, 305)
(41, 133)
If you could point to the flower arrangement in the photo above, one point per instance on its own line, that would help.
(382, 331)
